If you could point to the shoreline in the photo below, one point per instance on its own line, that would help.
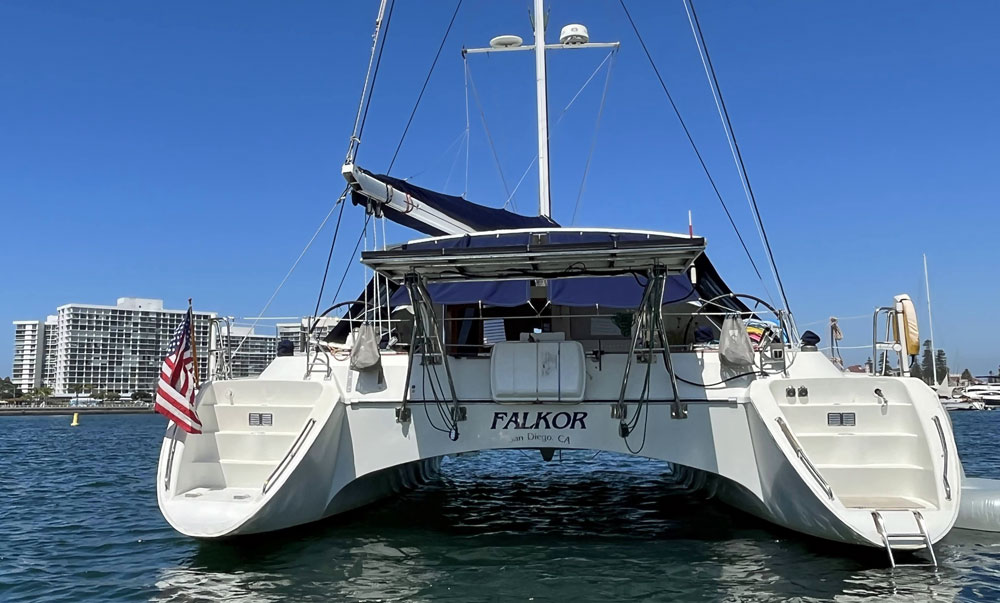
(69, 410)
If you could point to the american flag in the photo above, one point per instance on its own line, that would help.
(175, 391)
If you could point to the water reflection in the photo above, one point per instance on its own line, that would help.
(504, 526)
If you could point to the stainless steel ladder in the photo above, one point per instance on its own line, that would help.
(899, 538)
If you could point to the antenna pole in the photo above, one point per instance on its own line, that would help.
(930, 322)
(541, 85)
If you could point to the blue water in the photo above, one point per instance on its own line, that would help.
(79, 522)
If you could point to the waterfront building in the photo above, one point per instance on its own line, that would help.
(120, 347)
(51, 330)
(298, 332)
(29, 345)
(253, 351)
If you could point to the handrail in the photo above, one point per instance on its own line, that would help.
(944, 448)
(170, 459)
(802, 456)
(288, 456)
(880, 528)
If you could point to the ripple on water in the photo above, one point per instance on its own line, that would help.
(78, 522)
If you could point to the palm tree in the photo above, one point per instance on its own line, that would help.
(76, 389)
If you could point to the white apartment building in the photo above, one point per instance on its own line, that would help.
(298, 332)
(29, 346)
(121, 347)
(51, 349)
(254, 353)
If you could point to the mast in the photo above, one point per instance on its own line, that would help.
(571, 36)
(541, 87)
(930, 322)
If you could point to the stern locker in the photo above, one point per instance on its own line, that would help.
(543, 371)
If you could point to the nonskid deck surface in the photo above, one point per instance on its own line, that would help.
(223, 495)
(887, 503)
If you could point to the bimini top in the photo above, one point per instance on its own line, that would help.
(537, 253)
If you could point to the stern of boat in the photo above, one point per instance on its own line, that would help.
(877, 452)
(256, 433)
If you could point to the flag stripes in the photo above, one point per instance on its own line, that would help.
(175, 389)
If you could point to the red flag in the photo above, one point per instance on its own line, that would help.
(175, 391)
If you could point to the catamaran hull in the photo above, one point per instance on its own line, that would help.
(358, 453)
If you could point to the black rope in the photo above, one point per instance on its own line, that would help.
(424, 87)
(690, 139)
(739, 155)
(378, 61)
(353, 253)
(336, 231)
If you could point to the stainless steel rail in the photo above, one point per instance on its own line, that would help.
(288, 456)
(802, 456)
(944, 449)
(880, 527)
(170, 459)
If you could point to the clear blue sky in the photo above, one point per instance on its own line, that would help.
(191, 149)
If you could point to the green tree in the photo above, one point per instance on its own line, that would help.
(916, 372)
(141, 396)
(7, 389)
(967, 376)
(927, 363)
(941, 362)
(107, 395)
(39, 394)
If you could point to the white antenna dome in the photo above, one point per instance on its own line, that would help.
(507, 41)
(574, 34)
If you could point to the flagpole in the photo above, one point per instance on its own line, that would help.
(194, 346)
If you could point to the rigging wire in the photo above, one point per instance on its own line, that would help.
(489, 137)
(287, 275)
(424, 87)
(356, 138)
(353, 253)
(593, 142)
(690, 139)
(329, 257)
(562, 114)
(733, 145)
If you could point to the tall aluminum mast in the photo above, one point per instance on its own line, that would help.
(572, 36)
(541, 92)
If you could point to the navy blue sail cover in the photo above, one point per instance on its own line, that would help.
(478, 217)
(624, 292)
(505, 294)
(614, 291)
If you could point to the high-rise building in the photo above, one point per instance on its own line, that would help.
(29, 346)
(51, 350)
(251, 352)
(120, 348)
(298, 332)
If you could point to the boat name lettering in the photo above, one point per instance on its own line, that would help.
(539, 420)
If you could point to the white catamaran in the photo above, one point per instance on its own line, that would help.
(503, 331)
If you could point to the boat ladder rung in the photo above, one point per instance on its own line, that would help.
(899, 538)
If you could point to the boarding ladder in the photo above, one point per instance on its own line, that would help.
(899, 539)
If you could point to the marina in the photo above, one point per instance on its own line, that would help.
(578, 378)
